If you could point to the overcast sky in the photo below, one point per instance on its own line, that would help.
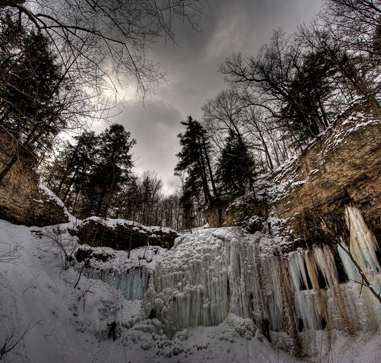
(192, 73)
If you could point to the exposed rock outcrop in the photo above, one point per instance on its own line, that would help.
(23, 200)
(309, 193)
(120, 234)
(342, 167)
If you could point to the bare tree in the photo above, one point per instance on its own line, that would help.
(278, 76)
(97, 40)
(11, 341)
(355, 71)
(356, 22)
(226, 111)
(235, 111)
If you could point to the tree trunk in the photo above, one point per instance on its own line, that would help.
(209, 167)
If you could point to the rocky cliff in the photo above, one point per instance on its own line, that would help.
(120, 234)
(341, 168)
(23, 200)
(309, 194)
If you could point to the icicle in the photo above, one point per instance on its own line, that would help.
(363, 244)
(133, 284)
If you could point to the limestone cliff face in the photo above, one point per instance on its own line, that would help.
(23, 200)
(342, 167)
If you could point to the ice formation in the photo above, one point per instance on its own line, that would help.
(207, 299)
(214, 272)
(129, 272)
(133, 284)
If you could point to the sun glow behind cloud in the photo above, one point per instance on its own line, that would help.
(116, 91)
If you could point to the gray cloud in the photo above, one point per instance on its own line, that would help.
(192, 71)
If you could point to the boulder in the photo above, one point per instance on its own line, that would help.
(121, 234)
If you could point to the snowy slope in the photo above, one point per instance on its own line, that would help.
(52, 322)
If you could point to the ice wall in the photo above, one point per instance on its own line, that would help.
(211, 274)
(215, 272)
(129, 272)
(133, 284)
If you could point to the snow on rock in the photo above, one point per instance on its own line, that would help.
(129, 272)
(52, 197)
(122, 234)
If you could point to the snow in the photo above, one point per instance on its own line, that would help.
(56, 322)
(114, 222)
(50, 195)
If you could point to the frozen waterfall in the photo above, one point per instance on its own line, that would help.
(133, 284)
(214, 272)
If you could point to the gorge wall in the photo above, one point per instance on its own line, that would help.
(309, 194)
(341, 168)
(23, 200)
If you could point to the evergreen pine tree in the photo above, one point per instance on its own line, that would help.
(194, 160)
(31, 107)
(235, 168)
(72, 167)
(112, 167)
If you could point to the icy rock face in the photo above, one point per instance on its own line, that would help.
(215, 272)
(130, 272)
(132, 284)
(211, 274)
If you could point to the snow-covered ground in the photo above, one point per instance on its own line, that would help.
(43, 318)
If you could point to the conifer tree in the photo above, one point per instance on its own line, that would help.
(72, 167)
(235, 168)
(31, 85)
(194, 160)
(112, 167)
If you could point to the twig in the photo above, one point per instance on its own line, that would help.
(8, 345)
(340, 242)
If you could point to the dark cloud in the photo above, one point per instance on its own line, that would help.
(192, 71)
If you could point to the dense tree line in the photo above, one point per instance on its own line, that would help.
(93, 175)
